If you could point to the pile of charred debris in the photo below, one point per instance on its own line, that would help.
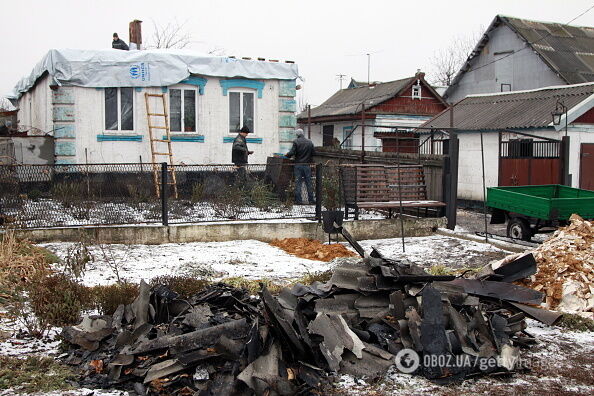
(224, 341)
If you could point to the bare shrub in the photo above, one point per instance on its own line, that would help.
(106, 299)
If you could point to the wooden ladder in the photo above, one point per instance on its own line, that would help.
(155, 140)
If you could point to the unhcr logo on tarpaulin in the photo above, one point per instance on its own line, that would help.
(140, 71)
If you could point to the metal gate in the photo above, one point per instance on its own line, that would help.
(587, 166)
(530, 160)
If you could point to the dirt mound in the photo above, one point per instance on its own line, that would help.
(566, 267)
(312, 249)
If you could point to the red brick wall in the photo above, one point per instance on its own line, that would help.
(404, 104)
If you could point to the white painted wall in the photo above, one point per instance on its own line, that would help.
(35, 107)
(524, 69)
(212, 123)
(470, 165)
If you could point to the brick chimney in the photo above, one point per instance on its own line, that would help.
(135, 34)
(419, 74)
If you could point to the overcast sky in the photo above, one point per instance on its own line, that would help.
(324, 37)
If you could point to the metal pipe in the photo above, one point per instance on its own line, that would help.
(484, 188)
(363, 132)
(164, 195)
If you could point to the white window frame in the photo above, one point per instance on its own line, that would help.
(119, 109)
(348, 143)
(241, 92)
(196, 96)
(417, 88)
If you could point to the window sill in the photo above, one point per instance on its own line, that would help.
(119, 137)
(185, 137)
(255, 140)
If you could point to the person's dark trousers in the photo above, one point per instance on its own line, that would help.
(241, 176)
(303, 173)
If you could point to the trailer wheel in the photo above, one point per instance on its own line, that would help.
(518, 228)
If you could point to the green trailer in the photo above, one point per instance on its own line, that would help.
(532, 209)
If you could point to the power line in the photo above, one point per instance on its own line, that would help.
(535, 42)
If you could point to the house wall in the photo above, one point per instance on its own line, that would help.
(495, 66)
(78, 116)
(35, 107)
(427, 105)
(470, 185)
(371, 143)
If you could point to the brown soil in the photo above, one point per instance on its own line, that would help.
(312, 249)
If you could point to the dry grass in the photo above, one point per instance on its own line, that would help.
(19, 263)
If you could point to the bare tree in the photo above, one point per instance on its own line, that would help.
(446, 62)
(170, 35)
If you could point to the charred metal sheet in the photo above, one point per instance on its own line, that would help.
(230, 349)
(414, 328)
(140, 306)
(397, 305)
(346, 276)
(499, 290)
(337, 337)
(283, 326)
(163, 369)
(191, 358)
(265, 365)
(198, 316)
(509, 271)
(195, 339)
(542, 315)
(352, 241)
(433, 336)
(337, 304)
(123, 360)
(370, 365)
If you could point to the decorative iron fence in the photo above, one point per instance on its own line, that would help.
(112, 194)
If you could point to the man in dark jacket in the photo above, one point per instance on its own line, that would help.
(303, 151)
(240, 152)
(117, 43)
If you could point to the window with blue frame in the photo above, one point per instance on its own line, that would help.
(182, 110)
(119, 109)
(241, 110)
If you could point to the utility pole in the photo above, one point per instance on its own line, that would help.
(340, 78)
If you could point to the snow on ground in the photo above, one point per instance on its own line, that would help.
(257, 260)
(561, 363)
(562, 360)
(250, 259)
(437, 250)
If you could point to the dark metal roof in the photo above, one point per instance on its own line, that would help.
(511, 110)
(567, 50)
(348, 101)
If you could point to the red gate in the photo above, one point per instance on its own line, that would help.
(530, 162)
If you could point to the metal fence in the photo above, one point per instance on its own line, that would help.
(111, 194)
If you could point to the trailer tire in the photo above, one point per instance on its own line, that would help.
(518, 228)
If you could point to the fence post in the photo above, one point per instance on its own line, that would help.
(452, 181)
(164, 194)
(319, 192)
(564, 152)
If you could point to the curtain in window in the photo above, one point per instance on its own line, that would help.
(234, 116)
(127, 108)
(189, 110)
(175, 110)
(111, 109)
